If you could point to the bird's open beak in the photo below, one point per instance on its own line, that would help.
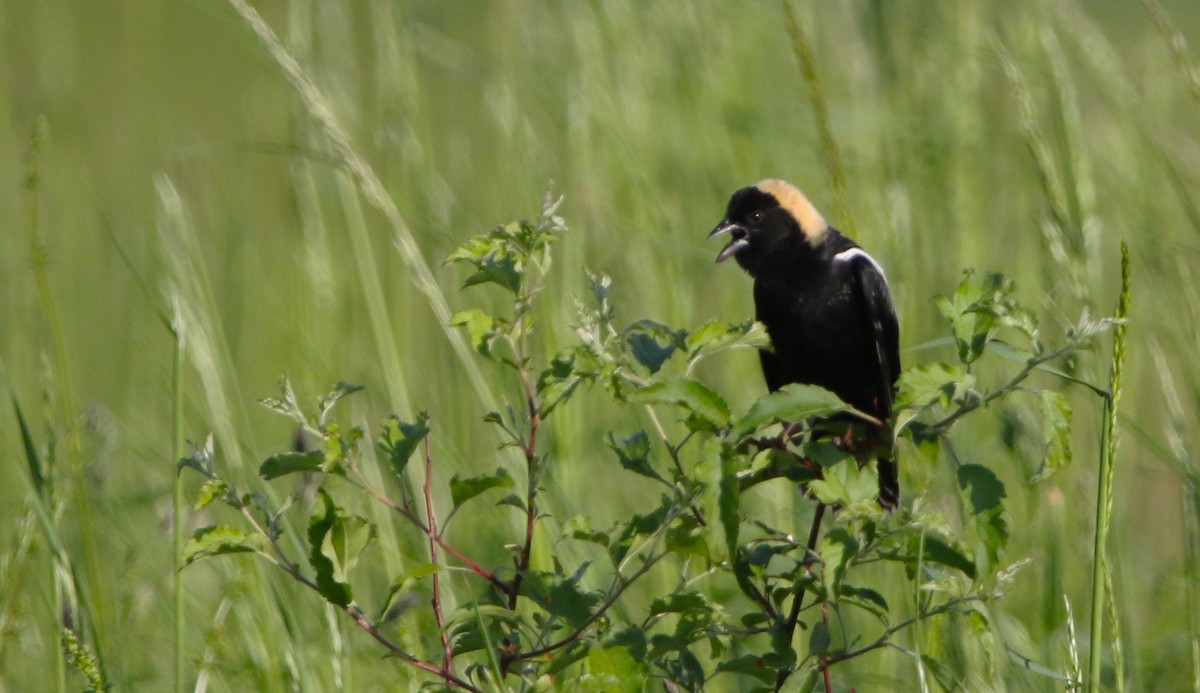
(736, 233)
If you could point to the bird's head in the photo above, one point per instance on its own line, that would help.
(768, 219)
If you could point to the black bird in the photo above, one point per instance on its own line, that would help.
(825, 304)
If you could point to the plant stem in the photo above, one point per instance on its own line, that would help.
(360, 619)
(532, 474)
(789, 626)
(177, 453)
(1104, 492)
(447, 651)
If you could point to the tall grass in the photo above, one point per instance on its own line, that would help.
(231, 153)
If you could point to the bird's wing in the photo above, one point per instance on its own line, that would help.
(876, 305)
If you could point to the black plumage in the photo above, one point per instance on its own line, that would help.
(825, 304)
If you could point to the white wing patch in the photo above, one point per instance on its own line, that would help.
(848, 255)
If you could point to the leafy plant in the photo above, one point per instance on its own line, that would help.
(752, 602)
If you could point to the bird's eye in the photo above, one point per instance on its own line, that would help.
(756, 217)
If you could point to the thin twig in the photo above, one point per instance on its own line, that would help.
(673, 451)
(615, 592)
(1016, 380)
(360, 619)
(447, 651)
(530, 450)
(789, 626)
(409, 515)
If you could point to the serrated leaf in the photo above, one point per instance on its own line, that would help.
(286, 403)
(220, 539)
(463, 490)
(560, 596)
(335, 541)
(212, 490)
(331, 398)
(933, 383)
(400, 439)
(199, 458)
(714, 336)
(794, 402)
(482, 328)
(985, 488)
(580, 527)
(680, 602)
(980, 305)
(286, 463)
(634, 454)
(1056, 432)
(504, 270)
(692, 395)
(649, 352)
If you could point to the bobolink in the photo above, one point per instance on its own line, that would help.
(825, 304)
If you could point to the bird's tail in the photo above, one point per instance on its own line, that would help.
(889, 483)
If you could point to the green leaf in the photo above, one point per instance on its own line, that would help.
(1056, 432)
(981, 304)
(482, 328)
(819, 640)
(685, 537)
(846, 483)
(865, 598)
(400, 439)
(714, 336)
(792, 403)
(560, 596)
(463, 490)
(199, 458)
(753, 665)
(399, 598)
(985, 488)
(212, 490)
(286, 403)
(286, 463)
(837, 548)
(634, 454)
(615, 669)
(331, 398)
(557, 383)
(680, 602)
(335, 542)
(649, 352)
(993, 531)
(580, 528)
(928, 384)
(938, 551)
(220, 539)
(694, 396)
(504, 270)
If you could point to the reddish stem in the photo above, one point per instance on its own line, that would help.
(447, 651)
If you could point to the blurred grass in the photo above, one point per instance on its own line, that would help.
(1024, 137)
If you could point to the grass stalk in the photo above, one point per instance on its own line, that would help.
(364, 175)
(829, 149)
(1108, 446)
(177, 453)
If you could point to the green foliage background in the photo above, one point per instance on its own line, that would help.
(179, 165)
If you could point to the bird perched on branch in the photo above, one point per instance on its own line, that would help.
(825, 304)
